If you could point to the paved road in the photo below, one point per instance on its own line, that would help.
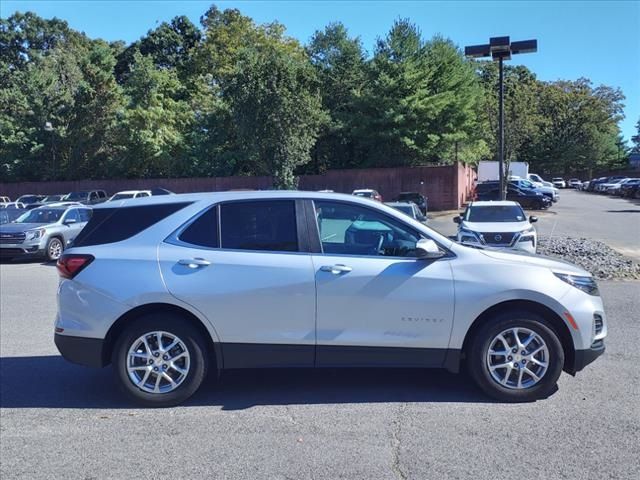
(64, 421)
(613, 220)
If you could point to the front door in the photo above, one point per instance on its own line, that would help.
(377, 303)
(240, 264)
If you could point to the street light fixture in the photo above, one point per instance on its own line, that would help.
(500, 49)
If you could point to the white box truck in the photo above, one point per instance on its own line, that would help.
(489, 171)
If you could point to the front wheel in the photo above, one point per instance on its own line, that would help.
(160, 360)
(516, 357)
(54, 249)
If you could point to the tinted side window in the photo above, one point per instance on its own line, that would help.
(85, 215)
(354, 230)
(72, 215)
(261, 225)
(203, 231)
(108, 225)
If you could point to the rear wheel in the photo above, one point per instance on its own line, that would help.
(160, 360)
(516, 357)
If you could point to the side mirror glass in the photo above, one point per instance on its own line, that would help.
(533, 219)
(457, 219)
(428, 249)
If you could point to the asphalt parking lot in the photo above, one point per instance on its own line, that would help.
(58, 420)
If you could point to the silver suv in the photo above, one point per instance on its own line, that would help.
(43, 231)
(167, 288)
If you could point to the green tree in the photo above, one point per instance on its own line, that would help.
(635, 139)
(155, 122)
(340, 65)
(421, 104)
(276, 106)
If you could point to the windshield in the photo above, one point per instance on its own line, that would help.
(558, 179)
(122, 196)
(77, 196)
(41, 215)
(495, 213)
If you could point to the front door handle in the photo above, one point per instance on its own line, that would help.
(194, 262)
(336, 269)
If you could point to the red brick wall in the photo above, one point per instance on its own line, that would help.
(447, 187)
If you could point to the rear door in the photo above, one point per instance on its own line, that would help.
(245, 266)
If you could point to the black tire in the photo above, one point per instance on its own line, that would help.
(49, 249)
(191, 338)
(479, 346)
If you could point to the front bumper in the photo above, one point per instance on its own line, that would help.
(582, 358)
(20, 249)
(89, 352)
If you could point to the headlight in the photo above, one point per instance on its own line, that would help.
(586, 284)
(34, 234)
(467, 235)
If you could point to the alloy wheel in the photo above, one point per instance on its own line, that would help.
(517, 358)
(158, 362)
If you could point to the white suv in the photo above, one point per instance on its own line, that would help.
(167, 288)
(500, 224)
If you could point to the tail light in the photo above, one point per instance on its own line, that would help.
(70, 264)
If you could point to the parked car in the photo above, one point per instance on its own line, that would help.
(130, 194)
(497, 224)
(575, 183)
(526, 198)
(5, 200)
(8, 215)
(585, 185)
(29, 199)
(368, 193)
(89, 197)
(17, 205)
(603, 183)
(551, 192)
(161, 191)
(614, 188)
(415, 197)
(42, 232)
(279, 279)
(410, 209)
(535, 178)
(628, 189)
(559, 182)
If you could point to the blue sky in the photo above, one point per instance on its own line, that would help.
(593, 39)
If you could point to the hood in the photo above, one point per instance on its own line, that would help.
(20, 227)
(496, 226)
(521, 257)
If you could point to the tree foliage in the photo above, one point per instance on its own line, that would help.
(232, 97)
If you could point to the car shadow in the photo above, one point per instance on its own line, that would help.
(52, 382)
(623, 211)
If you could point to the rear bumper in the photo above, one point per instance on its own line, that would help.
(583, 358)
(83, 351)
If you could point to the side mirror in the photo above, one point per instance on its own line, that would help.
(457, 219)
(70, 221)
(428, 249)
(533, 219)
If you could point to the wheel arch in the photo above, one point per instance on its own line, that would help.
(555, 322)
(213, 350)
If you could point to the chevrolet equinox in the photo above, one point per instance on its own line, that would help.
(168, 288)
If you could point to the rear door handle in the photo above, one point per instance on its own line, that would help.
(194, 262)
(336, 269)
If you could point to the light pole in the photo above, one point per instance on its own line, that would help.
(500, 49)
(48, 127)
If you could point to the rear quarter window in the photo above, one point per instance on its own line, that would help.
(110, 225)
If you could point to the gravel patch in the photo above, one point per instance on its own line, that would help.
(596, 257)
